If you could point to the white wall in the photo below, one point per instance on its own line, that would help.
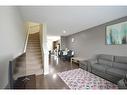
(12, 39)
(50, 40)
(44, 47)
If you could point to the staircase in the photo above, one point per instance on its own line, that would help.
(27, 65)
(30, 62)
(33, 55)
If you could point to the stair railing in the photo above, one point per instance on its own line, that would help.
(26, 41)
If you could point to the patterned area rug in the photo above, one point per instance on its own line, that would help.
(81, 79)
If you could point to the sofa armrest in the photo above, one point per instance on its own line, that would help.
(90, 63)
(83, 64)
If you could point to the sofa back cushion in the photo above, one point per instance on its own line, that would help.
(120, 62)
(121, 59)
(105, 62)
(106, 57)
(122, 66)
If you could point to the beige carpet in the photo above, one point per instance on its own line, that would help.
(33, 55)
(30, 62)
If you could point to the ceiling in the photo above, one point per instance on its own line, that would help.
(33, 24)
(71, 19)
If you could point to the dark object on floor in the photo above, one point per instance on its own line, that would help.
(26, 82)
(112, 68)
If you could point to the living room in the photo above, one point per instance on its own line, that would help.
(76, 48)
(93, 43)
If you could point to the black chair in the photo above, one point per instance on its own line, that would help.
(61, 56)
(66, 57)
(69, 55)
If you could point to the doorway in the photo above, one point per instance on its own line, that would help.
(53, 45)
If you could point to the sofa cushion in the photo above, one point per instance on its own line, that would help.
(105, 62)
(120, 65)
(121, 59)
(106, 57)
(100, 67)
(116, 72)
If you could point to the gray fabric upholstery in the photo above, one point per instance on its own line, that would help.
(106, 76)
(105, 62)
(100, 67)
(92, 61)
(120, 65)
(121, 59)
(110, 67)
(106, 57)
(116, 72)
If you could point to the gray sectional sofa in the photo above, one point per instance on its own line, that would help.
(110, 67)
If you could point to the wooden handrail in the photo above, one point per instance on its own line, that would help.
(18, 56)
(26, 40)
(25, 46)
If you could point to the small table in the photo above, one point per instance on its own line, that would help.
(76, 60)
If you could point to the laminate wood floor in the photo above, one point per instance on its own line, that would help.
(52, 80)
